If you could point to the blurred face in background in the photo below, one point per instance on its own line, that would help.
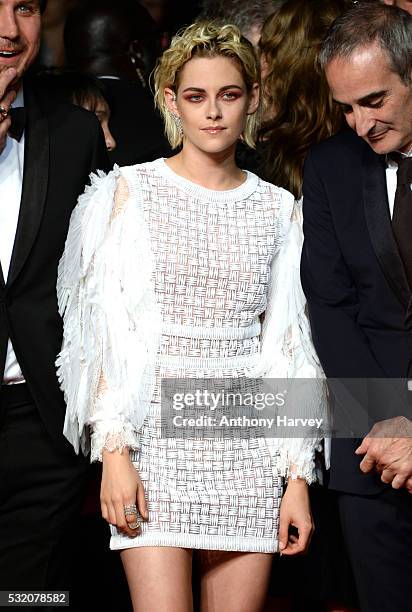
(253, 34)
(20, 26)
(101, 109)
(406, 5)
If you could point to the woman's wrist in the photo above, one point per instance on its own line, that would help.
(115, 455)
(297, 482)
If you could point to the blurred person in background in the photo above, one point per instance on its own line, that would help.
(90, 93)
(170, 15)
(406, 5)
(52, 46)
(247, 15)
(83, 90)
(298, 106)
(119, 43)
(117, 39)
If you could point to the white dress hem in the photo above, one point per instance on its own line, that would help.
(196, 541)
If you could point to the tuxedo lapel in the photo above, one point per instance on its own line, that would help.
(375, 197)
(35, 179)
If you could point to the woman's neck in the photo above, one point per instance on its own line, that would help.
(216, 171)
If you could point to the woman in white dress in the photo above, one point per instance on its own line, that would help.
(168, 269)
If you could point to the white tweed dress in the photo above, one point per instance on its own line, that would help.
(163, 278)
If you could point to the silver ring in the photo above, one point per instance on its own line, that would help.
(130, 510)
(4, 113)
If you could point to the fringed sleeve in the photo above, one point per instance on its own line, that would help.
(287, 350)
(111, 319)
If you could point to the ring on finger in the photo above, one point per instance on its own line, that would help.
(134, 525)
(130, 510)
(4, 113)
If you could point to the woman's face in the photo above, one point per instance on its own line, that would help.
(102, 111)
(212, 102)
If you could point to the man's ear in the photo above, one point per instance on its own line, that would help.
(170, 97)
(254, 96)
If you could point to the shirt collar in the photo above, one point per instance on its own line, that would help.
(391, 163)
(19, 101)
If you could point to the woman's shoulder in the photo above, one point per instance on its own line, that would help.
(138, 172)
(280, 205)
(276, 199)
(278, 194)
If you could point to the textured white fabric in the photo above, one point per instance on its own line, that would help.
(111, 319)
(194, 266)
(11, 181)
(287, 352)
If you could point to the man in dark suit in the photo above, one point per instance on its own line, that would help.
(119, 43)
(357, 276)
(46, 156)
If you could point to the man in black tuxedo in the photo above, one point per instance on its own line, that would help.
(357, 276)
(46, 156)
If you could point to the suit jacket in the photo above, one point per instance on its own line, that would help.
(63, 144)
(354, 281)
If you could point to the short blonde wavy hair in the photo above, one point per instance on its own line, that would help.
(205, 39)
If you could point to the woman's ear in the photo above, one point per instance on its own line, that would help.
(170, 97)
(254, 96)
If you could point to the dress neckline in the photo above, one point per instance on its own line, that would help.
(241, 192)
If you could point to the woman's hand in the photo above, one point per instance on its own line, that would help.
(121, 486)
(295, 512)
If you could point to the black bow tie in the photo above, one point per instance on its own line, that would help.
(18, 122)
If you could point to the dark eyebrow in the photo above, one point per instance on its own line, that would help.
(366, 99)
(372, 96)
(32, 3)
(200, 90)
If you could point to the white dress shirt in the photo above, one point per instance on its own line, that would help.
(391, 171)
(391, 178)
(11, 181)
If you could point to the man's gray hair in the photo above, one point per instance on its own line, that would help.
(245, 14)
(367, 23)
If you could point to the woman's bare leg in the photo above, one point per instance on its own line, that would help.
(159, 578)
(233, 582)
